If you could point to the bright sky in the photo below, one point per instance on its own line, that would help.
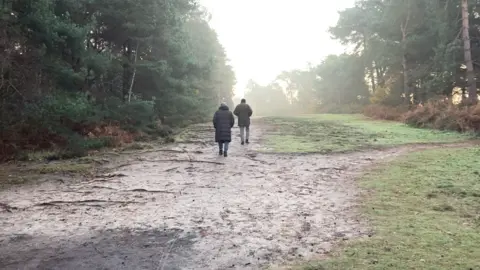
(265, 37)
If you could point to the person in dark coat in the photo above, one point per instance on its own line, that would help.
(223, 122)
(243, 111)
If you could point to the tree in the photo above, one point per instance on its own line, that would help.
(404, 51)
(418, 40)
(472, 87)
(267, 99)
(341, 79)
(300, 89)
(91, 62)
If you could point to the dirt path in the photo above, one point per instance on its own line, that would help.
(186, 208)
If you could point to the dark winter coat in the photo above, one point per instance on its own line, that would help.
(223, 121)
(243, 112)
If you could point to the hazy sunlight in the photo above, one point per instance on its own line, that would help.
(275, 35)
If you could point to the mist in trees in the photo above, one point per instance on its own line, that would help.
(69, 65)
(339, 79)
(401, 52)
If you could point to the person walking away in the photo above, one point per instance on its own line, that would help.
(243, 111)
(223, 122)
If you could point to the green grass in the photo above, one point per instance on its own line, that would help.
(38, 155)
(425, 212)
(328, 133)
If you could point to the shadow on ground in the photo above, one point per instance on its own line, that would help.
(167, 249)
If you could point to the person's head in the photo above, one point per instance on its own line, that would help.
(223, 106)
(243, 101)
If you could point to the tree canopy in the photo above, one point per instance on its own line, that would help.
(400, 52)
(79, 61)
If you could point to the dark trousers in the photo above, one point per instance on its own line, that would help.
(223, 146)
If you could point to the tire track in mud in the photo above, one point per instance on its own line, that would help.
(186, 208)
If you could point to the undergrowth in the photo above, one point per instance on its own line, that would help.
(67, 126)
(445, 116)
(435, 114)
(382, 112)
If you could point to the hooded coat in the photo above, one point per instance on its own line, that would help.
(223, 122)
(243, 111)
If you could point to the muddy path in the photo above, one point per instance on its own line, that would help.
(184, 207)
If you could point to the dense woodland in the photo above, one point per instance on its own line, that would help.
(78, 75)
(400, 53)
(83, 74)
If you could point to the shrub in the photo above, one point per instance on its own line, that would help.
(73, 123)
(162, 131)
(438, 114)
(78, 146)
(383, 112)
(445, 116)
(135, 115)
(59, 114)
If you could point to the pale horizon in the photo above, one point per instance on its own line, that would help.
(264, 38)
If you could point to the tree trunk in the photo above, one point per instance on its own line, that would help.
(372, 78)
(130, 90)
(406, 79)
(406, 73)
(379, 76)
(127, 52)
(370, 63)
(472, 86)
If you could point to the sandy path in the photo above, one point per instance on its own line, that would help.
(248, 211)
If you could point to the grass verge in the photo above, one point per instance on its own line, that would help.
(12, 175)
(329, 133)
(425, 212)
(63, 168)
